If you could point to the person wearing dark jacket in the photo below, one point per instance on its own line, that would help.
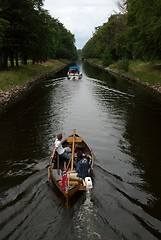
(83, 165)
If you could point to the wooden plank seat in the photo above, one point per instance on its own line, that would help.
(76, 139)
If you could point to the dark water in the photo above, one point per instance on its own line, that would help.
(121, 122)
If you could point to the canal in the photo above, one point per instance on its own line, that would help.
(121, 122)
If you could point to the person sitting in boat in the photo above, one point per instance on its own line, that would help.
(82, 164)
(70, 71)
(59, 148)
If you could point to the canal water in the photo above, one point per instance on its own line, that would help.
(121, 122)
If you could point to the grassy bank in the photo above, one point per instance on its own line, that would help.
(20, 76)
(145, 72)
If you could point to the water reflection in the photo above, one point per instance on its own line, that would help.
(137, 115)
(121, 122)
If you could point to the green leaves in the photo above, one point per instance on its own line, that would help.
(134, 34)
(29, 32)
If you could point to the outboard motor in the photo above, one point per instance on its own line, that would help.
(88, 183)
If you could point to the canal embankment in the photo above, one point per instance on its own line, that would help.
(147, 74)
(14, 83)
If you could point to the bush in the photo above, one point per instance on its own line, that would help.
(107, 58)
(123, 65)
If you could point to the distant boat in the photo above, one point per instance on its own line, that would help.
(74, 73)
(69, 178)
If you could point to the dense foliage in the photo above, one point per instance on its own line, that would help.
(134, 33)
(27, 31)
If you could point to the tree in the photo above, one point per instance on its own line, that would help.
(47, 37)
(3, 27)
(65, 43)
(144, 27)
(106, 39)
(133, 34)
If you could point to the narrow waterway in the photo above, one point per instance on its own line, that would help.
(121, 122)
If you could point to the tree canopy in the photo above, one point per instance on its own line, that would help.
(27, 31)
(133, 33)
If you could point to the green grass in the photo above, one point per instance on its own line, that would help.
(20, 76)
(96, 61)
(145, 72)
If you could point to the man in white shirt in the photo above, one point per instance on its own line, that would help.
(59, 148)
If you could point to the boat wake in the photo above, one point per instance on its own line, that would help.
(85, 221)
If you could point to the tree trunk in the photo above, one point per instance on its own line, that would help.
(24, 60)
(3, 59)
(12, 59)
(17, 64)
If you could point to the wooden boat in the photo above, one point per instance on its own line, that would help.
(65, 176)
(74, 73)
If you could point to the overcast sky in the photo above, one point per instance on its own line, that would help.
(81, 17)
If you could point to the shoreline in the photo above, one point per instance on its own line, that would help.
(155, 88)
(9, 98)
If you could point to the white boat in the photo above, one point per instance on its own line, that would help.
(74, 73)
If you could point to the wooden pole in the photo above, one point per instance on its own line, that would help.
(72, 162)
(49, 173)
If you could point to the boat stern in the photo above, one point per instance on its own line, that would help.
(87, 184)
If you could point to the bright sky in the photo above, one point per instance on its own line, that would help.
(81, 17)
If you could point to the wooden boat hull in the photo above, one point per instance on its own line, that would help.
(73, 182)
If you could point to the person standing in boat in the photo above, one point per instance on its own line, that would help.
(59, 148)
